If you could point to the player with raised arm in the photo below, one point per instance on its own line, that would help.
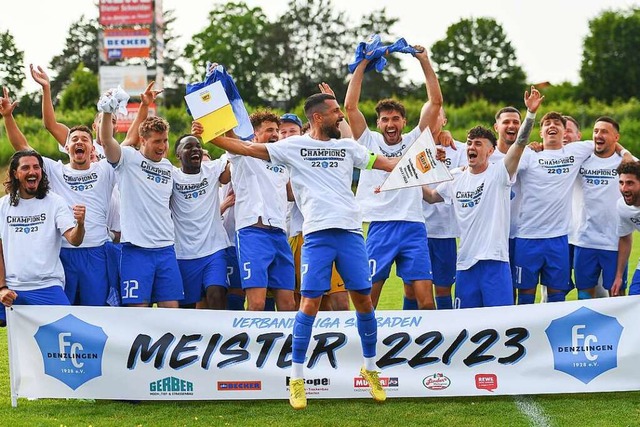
(480, 196)
(397, 232)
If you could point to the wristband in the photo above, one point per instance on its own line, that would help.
(624, 151)
(372, 160)
(530, 115)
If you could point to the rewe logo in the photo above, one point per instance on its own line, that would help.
(71, 350)
(584, 343)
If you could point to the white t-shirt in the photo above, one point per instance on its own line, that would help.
(481, 206)
(145, 190)
(294, 220)
(113, 217)
(628, 220)
(395, 205)
(228, 216)
(91, 187)
(321, 174)
(261, 191)
(515, 196)
(440, 217)
(195, 208)
(546, 181)
(598, 192)
(32, 235)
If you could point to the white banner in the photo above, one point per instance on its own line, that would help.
(173, 354)
(418, 166)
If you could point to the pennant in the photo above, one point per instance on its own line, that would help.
(211, 107)
(418, 166)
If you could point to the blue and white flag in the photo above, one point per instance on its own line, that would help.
(373, 50)
(244, 130)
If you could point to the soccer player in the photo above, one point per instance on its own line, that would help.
(201, 240)
(480, 197)
(261, 195)
(596, 242)
(149, 270)
(321, 167)
(546, 182)
(572, 131)
(397, 232)
(628, 209)
(32, 225)
(81, 182)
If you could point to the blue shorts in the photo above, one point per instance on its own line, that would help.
(321, 249)
(634, 289)
(589, 263)
(233, 272)
(512, 260)
(265, 258)
(114, 252)
(542, 260)
(149, 275)
(402, 242)
(52, 295)
(85, 272)
(486, 284)
(200, 273)
(443, 253)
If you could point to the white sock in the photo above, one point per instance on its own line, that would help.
(297, 370)
(370, 364)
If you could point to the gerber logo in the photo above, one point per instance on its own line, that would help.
(71, 350)
(584, 343)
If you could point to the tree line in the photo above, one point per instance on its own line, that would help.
(277, 62)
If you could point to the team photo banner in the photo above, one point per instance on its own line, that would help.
(174, 354)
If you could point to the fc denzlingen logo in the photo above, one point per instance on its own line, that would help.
(71, 350)
(584, 343)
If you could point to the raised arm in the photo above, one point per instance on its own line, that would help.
(356, 119)
(146, 98)
(431, 110)
(234, 145)
(430, 195)
(16, 137)
(75, 235)
(111, 147)
(59, 131)
(512, 159)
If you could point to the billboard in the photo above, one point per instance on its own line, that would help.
(120, 44)
(125, 12)
(131, 78)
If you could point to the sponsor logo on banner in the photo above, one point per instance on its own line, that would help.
(239, 385)
(131, 43)
(126, 12)
(437, 381)
(71, 350)
(391, 383)
(422, 162)
(313, 385)
(584, 343)
(487, 382)
(171, 386)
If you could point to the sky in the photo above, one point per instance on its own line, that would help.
(546, 34)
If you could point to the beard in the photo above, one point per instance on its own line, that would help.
(331, 131)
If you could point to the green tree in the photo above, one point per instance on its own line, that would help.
(11, 64)
(82, 91)
(234, 38)
(81, 47)
(475, 60)
(174, 74)
(609, 56)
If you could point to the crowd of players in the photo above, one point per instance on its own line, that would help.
(274, 221)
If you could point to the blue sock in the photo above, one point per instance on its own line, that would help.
(235, 302)
(301, 336)
(526, 298)
(556, 296)
(368, 331)
(270, 304)
(583, 295)
(409, 303)
(444, 303)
